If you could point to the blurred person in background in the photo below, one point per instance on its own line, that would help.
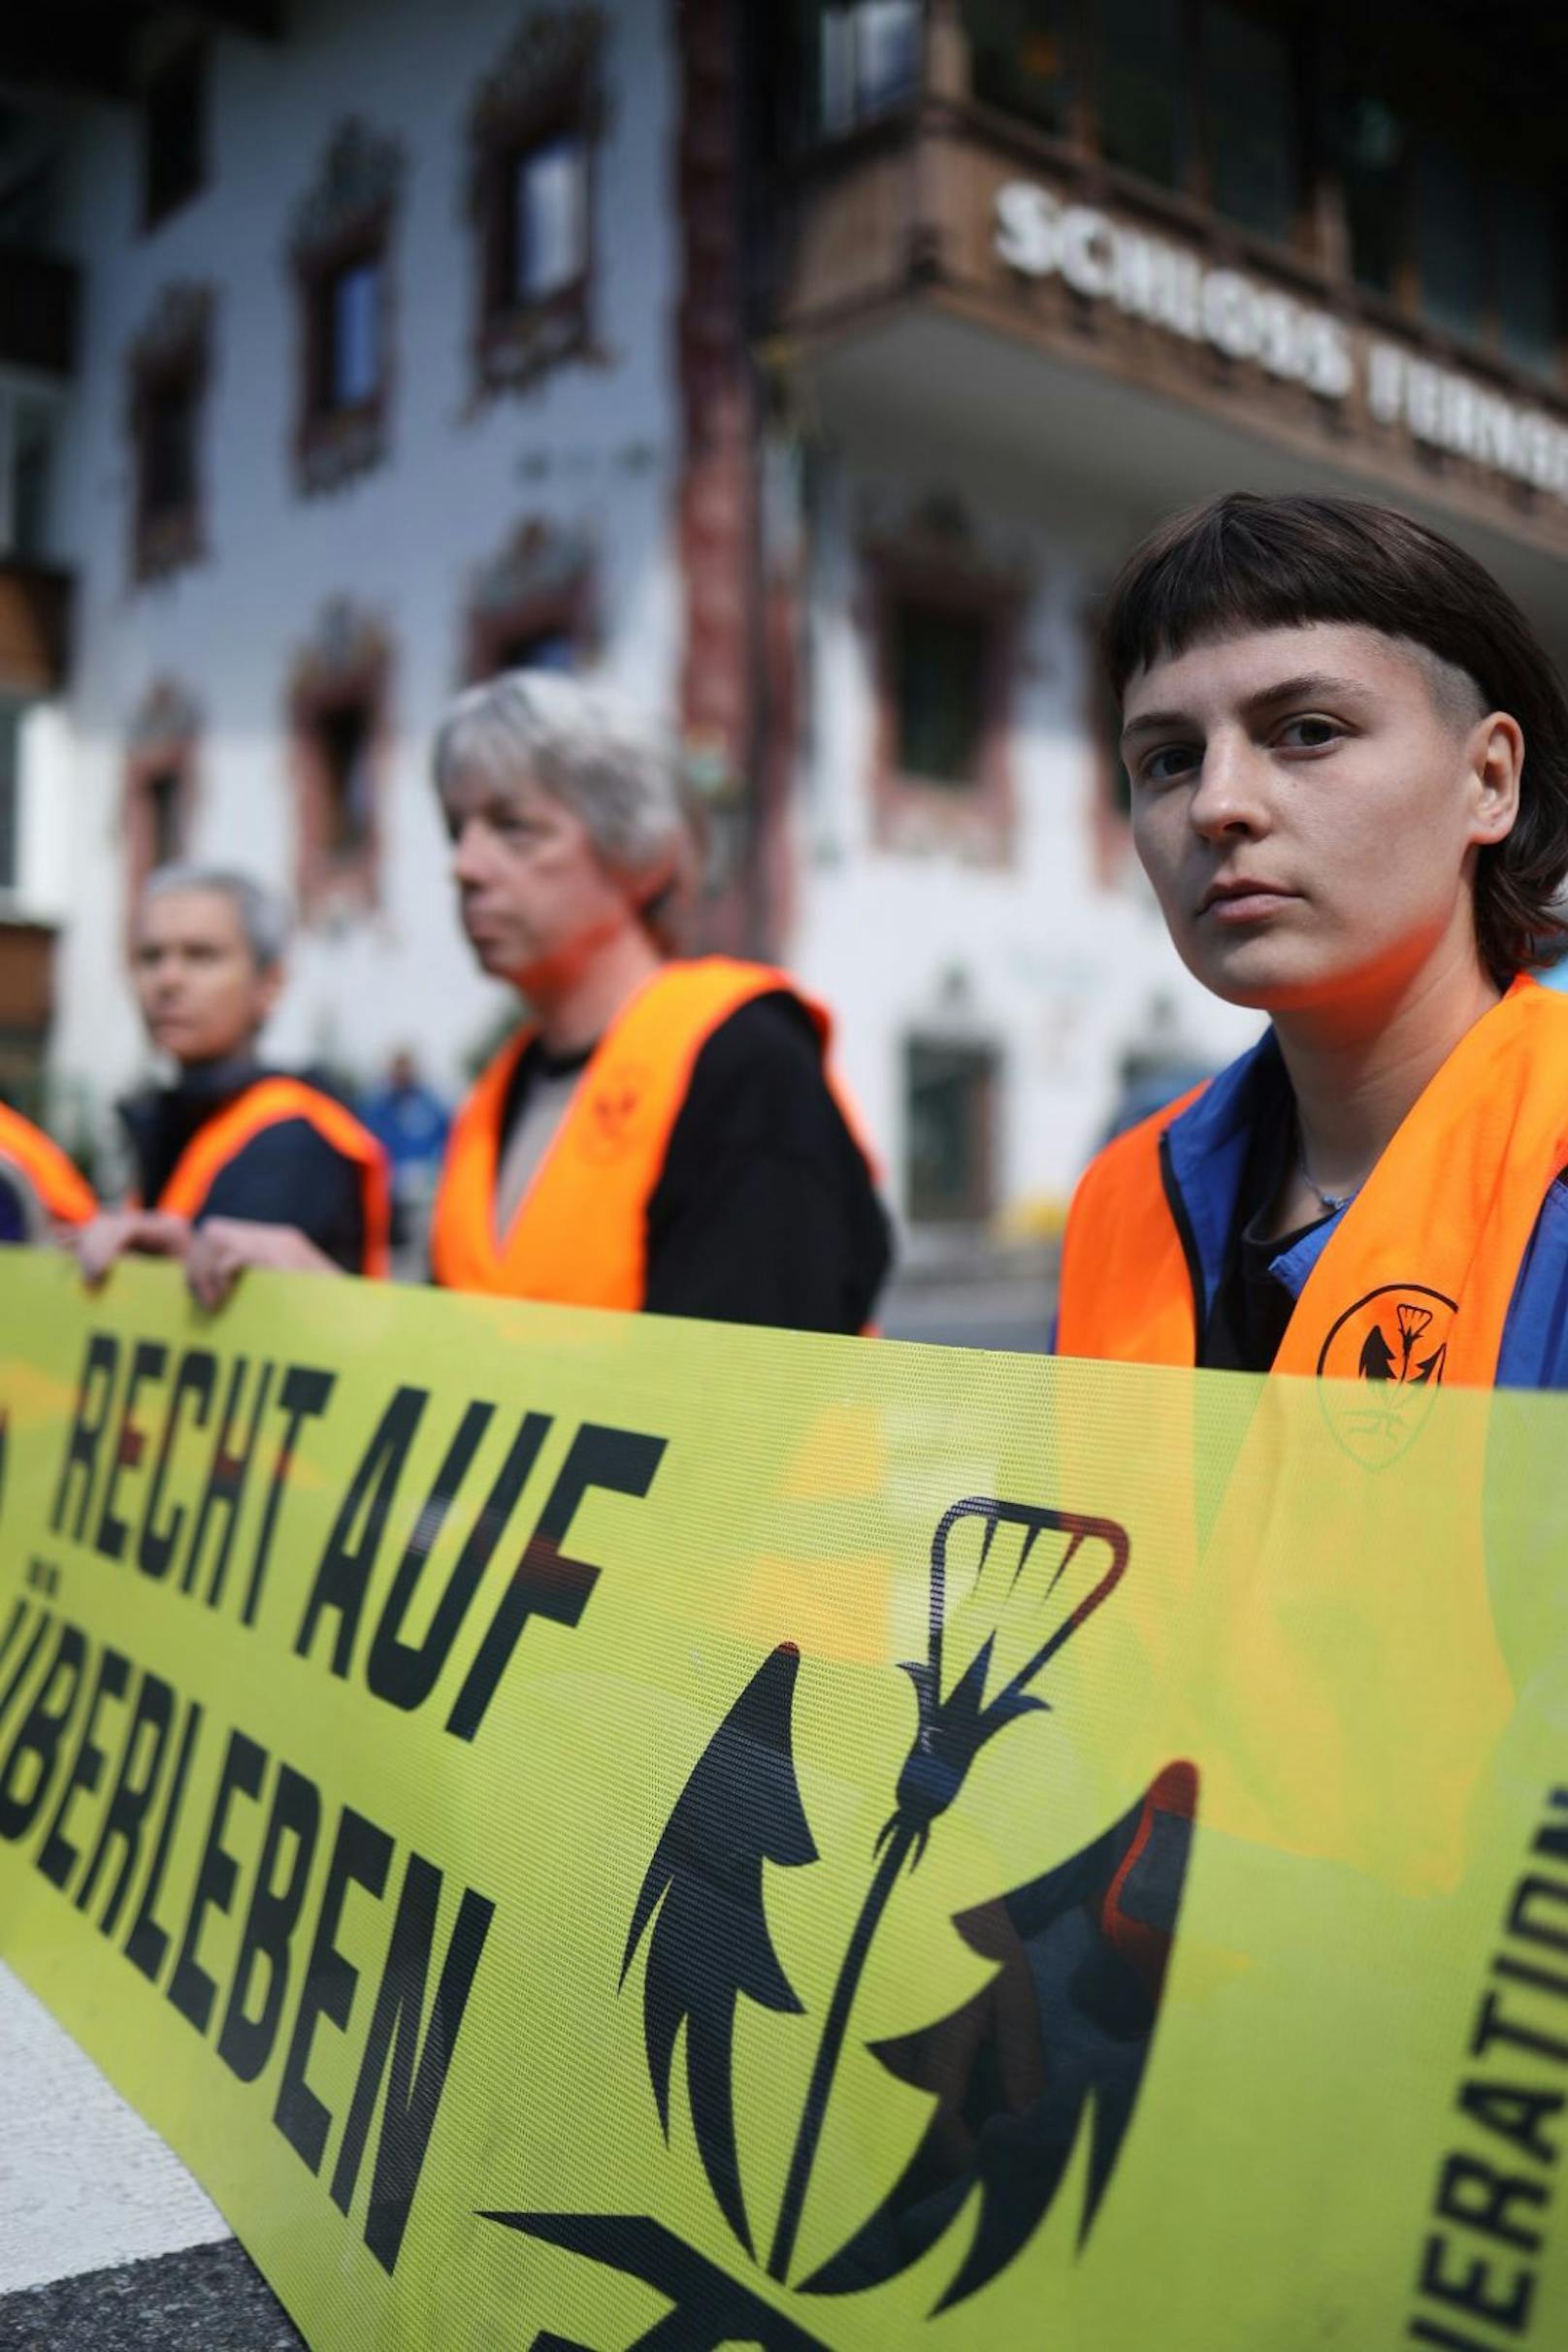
(42, 1194)
(236, 1165)
(410, 1123)
(659, 1135)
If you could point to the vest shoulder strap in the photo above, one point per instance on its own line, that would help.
(65, 1194)
(269, 1103)
(1416, 1282)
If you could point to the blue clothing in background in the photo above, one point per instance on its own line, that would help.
(410, 1123)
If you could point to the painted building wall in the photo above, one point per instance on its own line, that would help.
(588, 448)
(1053, 955)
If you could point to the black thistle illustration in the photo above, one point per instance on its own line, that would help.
(710, 1943)
(951, 1730)
(1061, 2031)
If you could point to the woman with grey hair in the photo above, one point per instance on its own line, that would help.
(236, 1165)
(661, 1134)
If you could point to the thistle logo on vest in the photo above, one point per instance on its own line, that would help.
(1396, 1340)
(614, 1107)
(1048, 2057)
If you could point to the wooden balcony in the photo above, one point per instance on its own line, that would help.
(918, 217)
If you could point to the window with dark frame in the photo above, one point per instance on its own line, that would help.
(164, 791)
(940, 659)
(173, 134)
(1137, 68)
(169, 448)
(1020, 57)
(168, 367)
(350, 334)
(337, 729)
(340, 251)
(10, 718)
(1249, 120)
(549, 254)
(950, 1092)
(344, 736)
(534, 132)
(868, 54)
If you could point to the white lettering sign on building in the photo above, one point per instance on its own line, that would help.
(1040, 235)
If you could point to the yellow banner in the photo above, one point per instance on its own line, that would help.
(592, 1831)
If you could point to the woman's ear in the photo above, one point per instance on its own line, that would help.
(1498, 765)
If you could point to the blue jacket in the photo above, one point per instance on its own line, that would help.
(1207, 1147)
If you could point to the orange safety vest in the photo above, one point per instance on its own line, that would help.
(1424, 1260)
(269, 1102)
(579, 1236)
(65, 1194)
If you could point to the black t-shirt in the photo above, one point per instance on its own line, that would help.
(1252, 1307)
(286, 1174)
(765, 1211)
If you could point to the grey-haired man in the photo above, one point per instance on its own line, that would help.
(662, 1133)
(236, 1165)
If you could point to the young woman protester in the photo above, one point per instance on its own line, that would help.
(1349, 766)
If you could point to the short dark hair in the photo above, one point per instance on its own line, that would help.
(1246, 562)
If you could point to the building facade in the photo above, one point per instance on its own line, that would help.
(807, 369)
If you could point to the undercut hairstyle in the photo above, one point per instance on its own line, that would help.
(262, 913)
(613, 767)
(1245, 562)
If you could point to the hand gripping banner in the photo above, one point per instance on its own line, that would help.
(589, 1831)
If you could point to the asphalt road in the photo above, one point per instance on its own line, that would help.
(106, 2244)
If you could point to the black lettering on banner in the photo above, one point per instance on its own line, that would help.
(404, 1673)
(1492, 2026)
(1427, 2331)
(1503, 2194)
(304, 1396)
(94, 1393)
(1536, 1892)
(130, 1445)
(1480, 2197)
(20, 1615)
(349, 1560)
(140, 1763)
(1551, 1838)
(196, 1378)
(148, 1943)
(413, 2092)
(57, 1858)
(191, 1990)
(40, 1734)
(361, 1857)
(546, 1583)
(244, 2043)
(1470, 2291)
(13, 1626)
(1514, 2114)
(226, 1479)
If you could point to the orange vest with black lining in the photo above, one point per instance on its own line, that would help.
(268, 1103)
(1424, 1261)
(64, 1194)
(579, 1236)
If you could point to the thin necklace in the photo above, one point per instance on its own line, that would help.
(1330, 1201)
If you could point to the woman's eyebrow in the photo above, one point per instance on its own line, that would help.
(1311, 686)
